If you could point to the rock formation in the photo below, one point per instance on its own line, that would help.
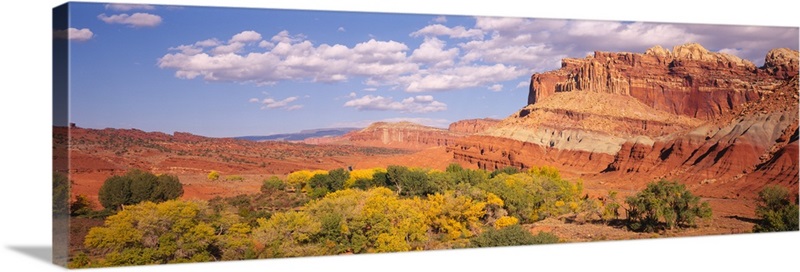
(706, 118)
(472, 126)
(404, 135)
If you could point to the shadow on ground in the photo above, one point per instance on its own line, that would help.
(744, 219)
(42, 253)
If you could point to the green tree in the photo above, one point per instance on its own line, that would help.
(115, 192)
(60, 194)
(664, 204)
(775, 210)
(409, 182)
(137, 186)
(321, 184)
(167, 187)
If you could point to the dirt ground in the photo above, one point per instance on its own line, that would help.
(729, 215)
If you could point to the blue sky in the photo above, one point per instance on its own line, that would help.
(231, 72)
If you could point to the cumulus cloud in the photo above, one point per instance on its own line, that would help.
(432, 52)
(496, 87)
(292, 58)
(523, 84)
(271, 103)
(208, 43)
(127, 7)
(341, 29)
(74, 34)
(461, 77)
(415, 104)
(135, 20)
(227, 48)
(440, 19)
(245, 37)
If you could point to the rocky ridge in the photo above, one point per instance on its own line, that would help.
(705, 118)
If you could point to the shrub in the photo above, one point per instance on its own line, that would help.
(81, 206)
(665, 204)
(775, 210)
(235, 178)
(514, 235)
(272, 184)
(213, 175)
(610, 207)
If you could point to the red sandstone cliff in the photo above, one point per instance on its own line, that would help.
(708, 119)
(404, 135)
(472, 126)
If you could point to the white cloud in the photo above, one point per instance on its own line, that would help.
(370, 89)
(496, 87)
(135, 20)
(266, 44)
(440, 19)
(127, 7)
(245, 37)
(432, 52)
(74, 34)
(352, 95)
(285, 37)
(461, 77)
(455, 32)
(228, 48)
(523, 84)
(415, 104)
(341, 29)
(208, 43)
(731, 51)
(187, 49)
(271, 103)
(291, 58)
(294, 107)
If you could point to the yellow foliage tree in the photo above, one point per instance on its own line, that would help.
(454, 216)
(361, 174)
(287, 234)
(505, 221)
(299, 179)
(147, 233)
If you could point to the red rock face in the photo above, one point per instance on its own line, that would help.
(710, 120)
(472, 126)
(404, 135)
(690, 81)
